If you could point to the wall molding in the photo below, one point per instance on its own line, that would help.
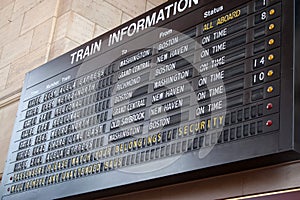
(10, 98)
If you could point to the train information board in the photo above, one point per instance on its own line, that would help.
(190, 89)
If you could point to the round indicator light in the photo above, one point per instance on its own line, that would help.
(271, 57)
(272, 12)
(271, 41)
(11, 178)
(270, 89)
(269, 106)
(269, 123)
(8, 189)
(271, 26)
(270, 73)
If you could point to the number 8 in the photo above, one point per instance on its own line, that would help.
(263, 16)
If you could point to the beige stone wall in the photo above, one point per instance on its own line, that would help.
(263, 180)
(33, 32)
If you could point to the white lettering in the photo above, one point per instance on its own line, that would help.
(135, 57)
(162, 58)
(168, 43)
(216, 91)
(171, 79)
(156, 110)
(217, 76)
(213, 11)
(159, 123)
(218, 62)
(215, 106)
(200, 111)
(165, 33)
(123, 97)
(202, 81)
(157, 97)
(125, 133)
(135, 69)
(219, 47)
(204, 53)
(164, 69)
(173, 105)
(201, 96)
(129, 83)
(86, 52)
(179, 51)
(221, 33)
(174, 91)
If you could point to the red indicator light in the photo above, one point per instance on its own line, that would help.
(269, 123)
(269, 106)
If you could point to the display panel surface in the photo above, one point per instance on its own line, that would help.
(190, 89)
